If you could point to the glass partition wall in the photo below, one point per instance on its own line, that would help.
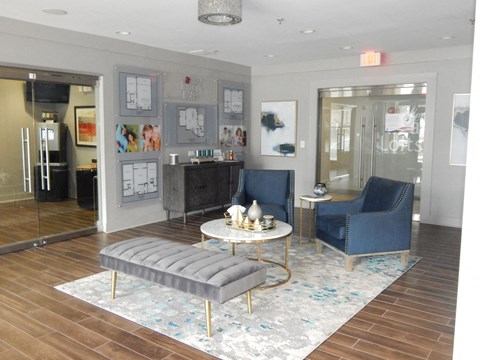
(366, 131)
(39, 161)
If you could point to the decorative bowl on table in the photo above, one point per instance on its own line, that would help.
(246, 224)
(320, 189)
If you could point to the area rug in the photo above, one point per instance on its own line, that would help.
(288, 321)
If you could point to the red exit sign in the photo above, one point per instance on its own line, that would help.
(372, 58)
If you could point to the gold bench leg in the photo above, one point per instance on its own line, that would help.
(405, 256)
(208, 316)
(249, 301)
(114, 283)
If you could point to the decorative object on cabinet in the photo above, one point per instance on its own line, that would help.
(190, 187)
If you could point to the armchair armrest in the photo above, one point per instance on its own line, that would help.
(239, 198)
(374, 232)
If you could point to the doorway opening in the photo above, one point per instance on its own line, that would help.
(367, 131)
(48, 174)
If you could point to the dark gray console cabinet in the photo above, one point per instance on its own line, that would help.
(190, 187)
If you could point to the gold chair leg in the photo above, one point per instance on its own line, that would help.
(208, 316)
(319, 247)
(249, 301)
(114, 283)
(405, 256)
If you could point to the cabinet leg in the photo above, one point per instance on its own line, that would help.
(184, 218)
(168, 214)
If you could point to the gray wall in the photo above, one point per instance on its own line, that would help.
(447, 71)
(33, 46)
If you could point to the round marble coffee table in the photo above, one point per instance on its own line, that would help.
(217, 229)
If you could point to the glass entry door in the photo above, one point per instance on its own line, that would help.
(18, 209)
(38, 200)
(371, 131)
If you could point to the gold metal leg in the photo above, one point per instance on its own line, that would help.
(208, 317)
(405, 256)
(288, 241)
(233, 248)
(309, 220)
(249, 301)
(259, 252)
(203, 241)
(301, 222)
(114, 283)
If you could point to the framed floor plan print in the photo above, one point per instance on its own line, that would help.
(138, 94)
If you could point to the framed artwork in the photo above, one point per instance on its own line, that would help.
(139, 180)
(85, 126)
(138, 94)
(132, 138)
(459, 139)
(232, 99)
(278, 122)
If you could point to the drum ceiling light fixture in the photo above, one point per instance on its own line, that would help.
(220, 12)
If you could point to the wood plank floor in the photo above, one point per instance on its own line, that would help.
(414, 318)
(25, 219)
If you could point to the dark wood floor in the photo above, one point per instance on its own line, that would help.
(26, 219)
(414, 318)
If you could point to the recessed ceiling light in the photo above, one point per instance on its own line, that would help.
(447, 37)
(346, 47)
(270, 55)
(122, 32)
(55, 11)
(204, 52)
(308, 31)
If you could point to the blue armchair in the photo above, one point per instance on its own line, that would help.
(273, 189)
(379, 221)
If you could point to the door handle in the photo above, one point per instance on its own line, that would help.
(44, 160)
(47, 161)
(27, 175)
(361, 165)
(373, 160)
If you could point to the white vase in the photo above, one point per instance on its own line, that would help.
(255, 211)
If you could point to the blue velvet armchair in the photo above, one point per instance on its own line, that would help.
(273, 189)
(379, 221)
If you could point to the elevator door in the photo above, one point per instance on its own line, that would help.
(371, 131)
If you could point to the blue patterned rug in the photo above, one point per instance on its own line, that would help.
(288, 322)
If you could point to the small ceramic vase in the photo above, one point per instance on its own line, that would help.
(255, 212)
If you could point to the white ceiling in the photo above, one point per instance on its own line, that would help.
(383, 25)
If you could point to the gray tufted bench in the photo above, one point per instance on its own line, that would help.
(210, 275)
